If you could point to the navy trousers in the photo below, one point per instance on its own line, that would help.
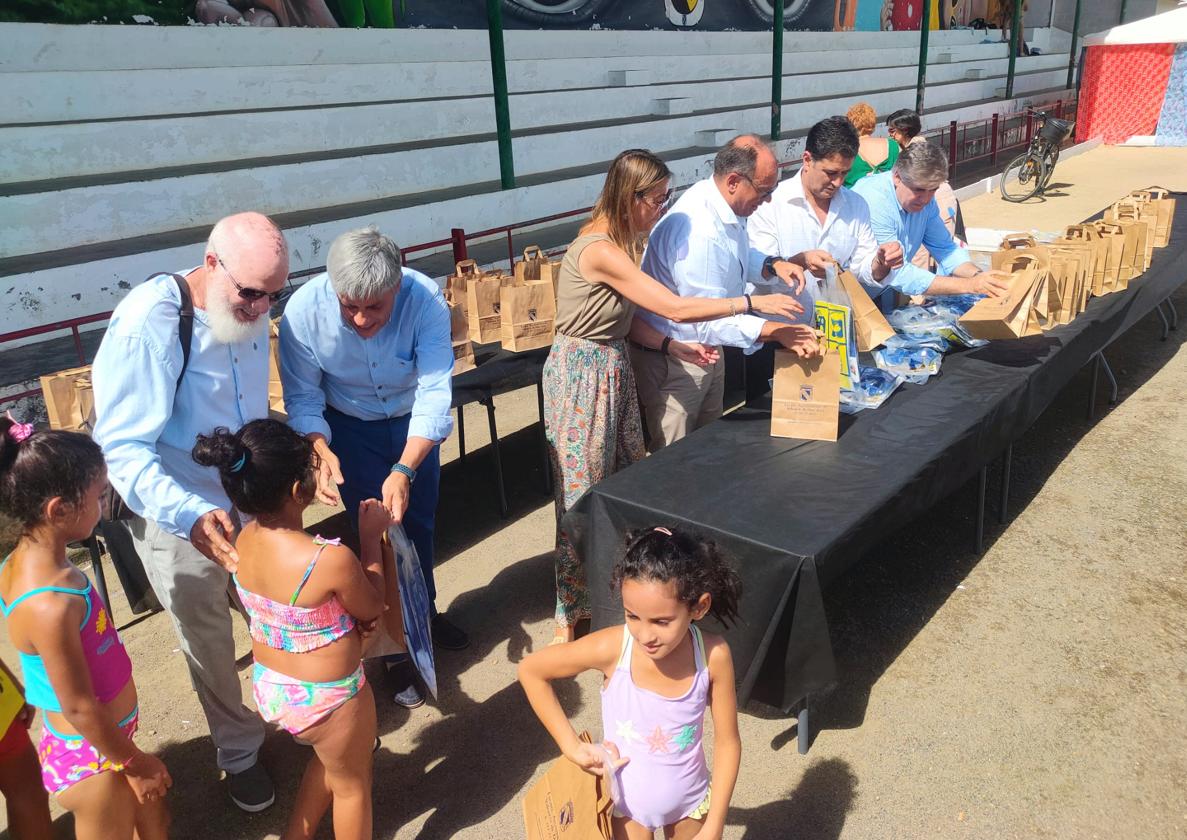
(366, 450)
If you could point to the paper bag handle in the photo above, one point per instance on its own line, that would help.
(1018, 262)
(1082, 232)
(532, 252)
(466, 267)
(1017, 240)
(1109, 227)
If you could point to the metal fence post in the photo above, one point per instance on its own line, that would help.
(993, 142)
(1124, 3)
(458, 237)
(777, 73)
(951, 150)
(498, 72)
(1015, 30)
(921, 79)
(1071, 59)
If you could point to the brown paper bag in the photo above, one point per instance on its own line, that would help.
(535, 265)
(1015, 241)
(528, 315)
(1115, 257)
(1144, 220)
(1163, 207)
(482, 307)
(1090, 237)
(1087, 254)
(1019, 313)
(69, 401)
(459, 336)
(568, 804)
(806, 396)
(1068, 281)
(870, 324)
(275, 386)
(456, 284)
(1038, 257)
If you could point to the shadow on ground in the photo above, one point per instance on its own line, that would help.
(817, 808)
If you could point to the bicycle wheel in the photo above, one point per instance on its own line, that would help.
(1023, 177)
(1049, 160)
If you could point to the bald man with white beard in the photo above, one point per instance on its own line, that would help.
(151, 402)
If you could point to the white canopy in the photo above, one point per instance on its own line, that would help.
(1166, 28)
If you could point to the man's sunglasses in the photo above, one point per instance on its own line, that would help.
(247, 293)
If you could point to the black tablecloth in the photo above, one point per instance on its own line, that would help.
(796, 514)
(497, 370)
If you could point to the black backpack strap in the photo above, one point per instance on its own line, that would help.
(185, 323)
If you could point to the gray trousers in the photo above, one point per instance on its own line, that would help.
(197, 593)
(676, 397)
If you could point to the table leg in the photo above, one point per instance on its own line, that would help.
(489, 402)
(1096, 360)
(982, 483)
(803, 730)
(1170, 304)
(1104, 363)
(1166, 326)
(1007, 462)
(461, 433)
(92, 543)
(544, 439)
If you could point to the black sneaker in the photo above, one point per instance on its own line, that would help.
(251, 789)
(401, 678)
(447, 635)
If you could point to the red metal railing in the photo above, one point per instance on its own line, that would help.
(987, 140)
(966, 143)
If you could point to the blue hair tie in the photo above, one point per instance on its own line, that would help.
(238, 465)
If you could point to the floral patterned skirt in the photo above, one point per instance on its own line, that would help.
(593, 429)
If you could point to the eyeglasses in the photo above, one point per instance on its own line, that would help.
(761, 193)
(247, 293)
(663, 202)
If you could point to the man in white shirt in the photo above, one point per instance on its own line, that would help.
(700, 248)
(813, 216)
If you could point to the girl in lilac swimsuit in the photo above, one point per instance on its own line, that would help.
(661, 672)
(308, 600)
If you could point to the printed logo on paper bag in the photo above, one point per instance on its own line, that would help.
(805, 393)
(532, 313)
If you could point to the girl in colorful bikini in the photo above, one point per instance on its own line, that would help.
(309, 601)
(660, 672)
(74, 665)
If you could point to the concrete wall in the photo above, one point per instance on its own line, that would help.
(109, 173)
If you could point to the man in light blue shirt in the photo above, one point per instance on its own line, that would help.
(151, 402)
(903, 209)
(367, 366)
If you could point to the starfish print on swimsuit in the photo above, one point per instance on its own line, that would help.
(685, 738)
(626, 731)
(657, 742)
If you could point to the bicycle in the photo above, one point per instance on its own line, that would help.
(1030, 173)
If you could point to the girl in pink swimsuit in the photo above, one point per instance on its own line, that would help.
(309, 601)
(74, 665)
(660, 673)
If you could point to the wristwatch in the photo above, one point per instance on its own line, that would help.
(405, 471)
(768, 266)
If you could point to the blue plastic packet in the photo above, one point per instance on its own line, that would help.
(873, 390)
(914, 364)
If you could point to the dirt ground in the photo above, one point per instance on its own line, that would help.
(1037, 691)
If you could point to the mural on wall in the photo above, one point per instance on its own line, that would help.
(708, 15)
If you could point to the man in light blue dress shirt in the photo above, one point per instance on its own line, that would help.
(148, 413)
(367, 366)
(903, 209)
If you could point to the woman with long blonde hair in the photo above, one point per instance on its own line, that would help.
(591, 414)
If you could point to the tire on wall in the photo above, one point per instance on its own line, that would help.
(563, 12)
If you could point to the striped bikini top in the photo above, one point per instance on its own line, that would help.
(296, 629)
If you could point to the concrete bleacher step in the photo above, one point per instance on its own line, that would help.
(139, 146)
(98, 212)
